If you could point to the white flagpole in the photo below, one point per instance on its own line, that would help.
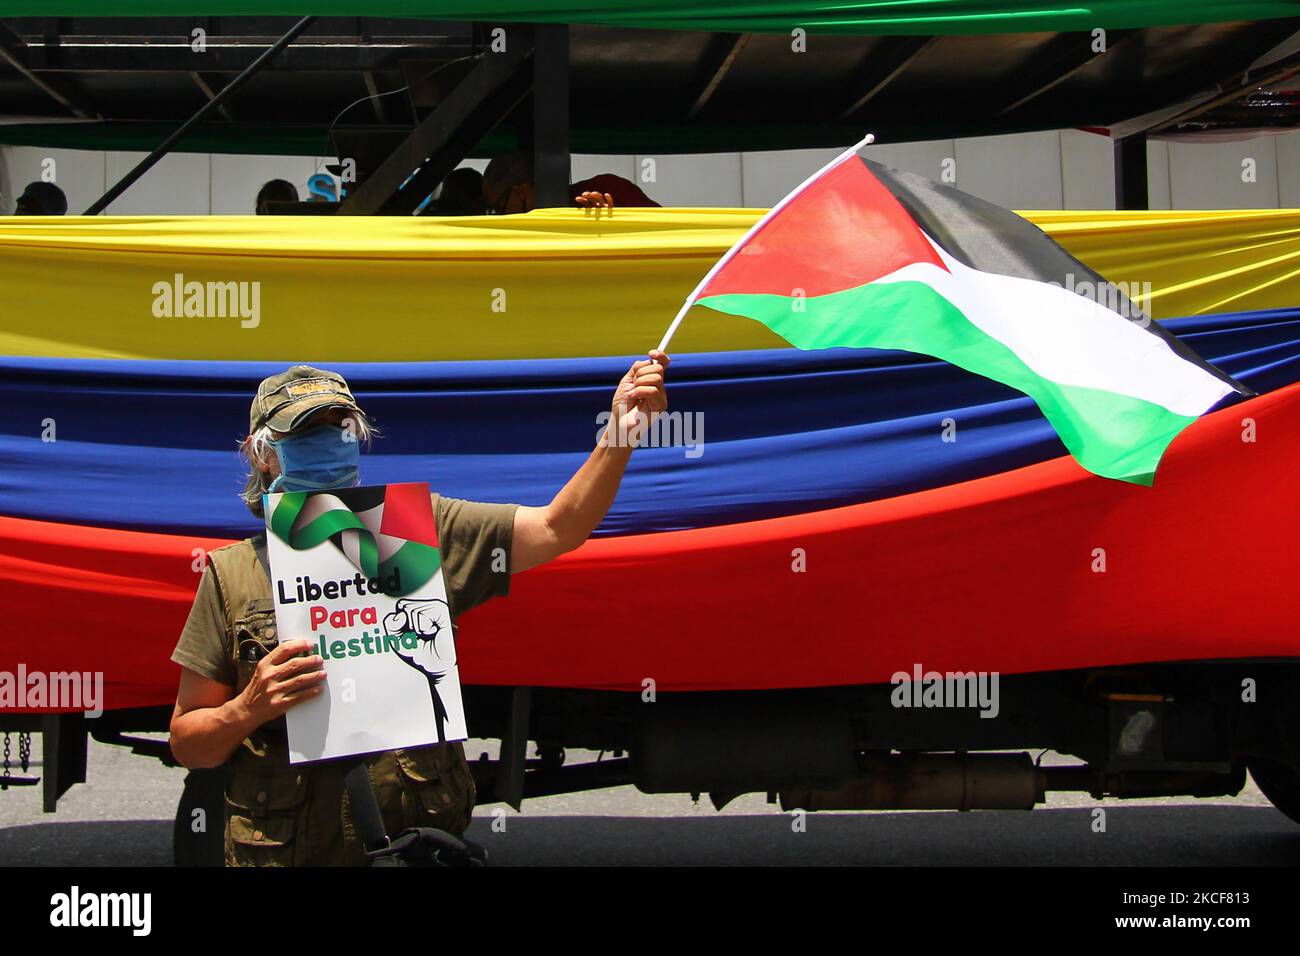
(690, 299)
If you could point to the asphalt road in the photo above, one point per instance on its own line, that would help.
(123, 816)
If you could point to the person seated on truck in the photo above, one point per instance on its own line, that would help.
(237, 680)
(508, 187)
(41, 199)
(275, 191)
(461, 194)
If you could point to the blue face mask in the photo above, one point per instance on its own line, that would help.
(316, 460)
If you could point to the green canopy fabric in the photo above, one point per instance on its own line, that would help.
(853, 17)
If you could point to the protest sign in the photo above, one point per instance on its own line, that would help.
(358, 572)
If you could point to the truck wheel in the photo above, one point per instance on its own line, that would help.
(1280, 782)
(204, 790)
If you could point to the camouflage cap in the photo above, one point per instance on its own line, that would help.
(284, 401)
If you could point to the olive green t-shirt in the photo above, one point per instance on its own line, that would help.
(473, 570)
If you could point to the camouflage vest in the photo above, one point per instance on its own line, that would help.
(282, 815)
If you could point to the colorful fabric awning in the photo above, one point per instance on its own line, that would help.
(554, 283)
(118, 466)
(993, 574)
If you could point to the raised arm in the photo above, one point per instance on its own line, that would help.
(541, 534)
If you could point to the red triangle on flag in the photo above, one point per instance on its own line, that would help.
(408, 513)
(841, 230)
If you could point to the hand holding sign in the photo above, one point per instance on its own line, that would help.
(282, 680)
(430, 621)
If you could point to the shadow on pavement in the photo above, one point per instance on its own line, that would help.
(94, 843)
(1135, 836)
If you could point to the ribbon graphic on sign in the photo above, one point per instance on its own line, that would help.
(387, 532)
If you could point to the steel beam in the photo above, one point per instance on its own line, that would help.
(722, 53)
(63, 756)
(376, 97)
(12, 51)
(495, 84)
(550, 119)
(882, 66)
(1062, 58)
(1241, 87)
(1131, 172)
(125, 183)
(211, 94)
(508, 786)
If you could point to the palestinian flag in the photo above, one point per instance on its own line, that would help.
(381, 529)
(863, 256)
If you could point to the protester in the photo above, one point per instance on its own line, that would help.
(461, 195)
(276, 190)
(508, 187)
(41, 199)
(238, 680)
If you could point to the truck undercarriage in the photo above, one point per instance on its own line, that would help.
(938, 744)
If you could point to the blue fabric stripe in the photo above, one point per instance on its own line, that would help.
(151, 445)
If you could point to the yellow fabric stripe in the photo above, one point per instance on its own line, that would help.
(1197, 262)
(552, 283)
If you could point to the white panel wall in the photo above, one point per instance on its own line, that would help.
(1235, 175)
(1288, 167)
(236, 179)
(586, 165)
(1087, 170)
(1158, 196)
(180, 183)
(698, 179)
(770, 175)
(1068, 169)
(1020, 172)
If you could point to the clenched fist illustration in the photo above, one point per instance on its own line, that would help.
(430, 622)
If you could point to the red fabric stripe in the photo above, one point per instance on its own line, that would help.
(74, 598)
(844, 230)
(993, 574)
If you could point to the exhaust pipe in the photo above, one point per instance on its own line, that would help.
(932, 782)
(996, 782)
